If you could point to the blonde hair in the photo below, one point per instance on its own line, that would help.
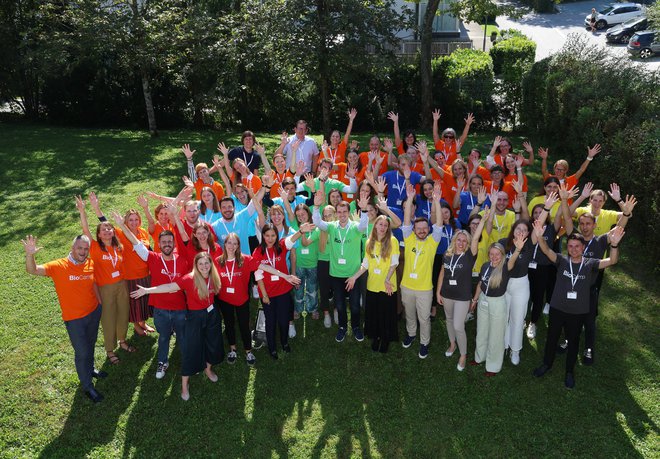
(323, 237)
(496, 277)
(452, 246)
(200, 282)
(385, 244)
(562, 162)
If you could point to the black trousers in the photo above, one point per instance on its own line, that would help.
(590, 319)
(572, 325)
(339, 293)
(325, 289)
(202, 343)
(277, 314)
(541, 284)
(229, 315)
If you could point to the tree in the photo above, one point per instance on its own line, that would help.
(425, 66)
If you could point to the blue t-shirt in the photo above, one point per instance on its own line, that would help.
(423, 207)
(298, 200)
(396, 187)
(468, 201)
(240, 225)
(209, 216)
(447, 235)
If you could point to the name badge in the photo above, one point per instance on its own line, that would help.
(230, 289)
(376, 271)
(399, 202)
(274, 278)
(532, 265)
(571, 295)
(304, 251)
(334, 176)
(413, 275)
(341, 261)
(115, 274)
(349, 195)
(453, 282)
(210, 308)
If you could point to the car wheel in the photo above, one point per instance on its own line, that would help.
(600, 25)
(645, 53)
(625, 38)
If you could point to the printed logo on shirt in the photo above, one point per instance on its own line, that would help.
(459, 266)
(579, 276)
(79, 278)
(164, 272)
(107, 257)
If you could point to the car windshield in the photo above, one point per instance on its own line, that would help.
(635, 38)
(606, 10)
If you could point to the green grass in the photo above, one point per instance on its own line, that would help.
(323, 400)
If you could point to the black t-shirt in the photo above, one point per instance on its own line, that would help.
(458, 285)
(252, 160)
(484, 279)
(549, 235)
(521, 265)
(596, 247)
(586, 275)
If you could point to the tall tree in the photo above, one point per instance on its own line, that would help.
(425, 58)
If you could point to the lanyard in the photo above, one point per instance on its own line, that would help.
(575, 279)
(167, 271)
(114, 260)
(586, 249)
(497, 223)
(471, 201)
(247, 163)
(453, 268)
(342, 240)
(399, 187)
(417, 252)
(230, 276)
(333, 155)
(428, 207)
(488, 279)
(447, 234)
(270, 262)
(233, 225)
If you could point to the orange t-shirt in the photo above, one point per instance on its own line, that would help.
(364, 159)
(482, 171)
(570, 181)
(252, 183)
(337, 155)
(108, 264)
(155, 235)
(218, 189)
(134, 266)
(510, 178)
(450, 151)
(450, 189)
(436, 177)
(74, 285)
(275, 190)
(339, 173)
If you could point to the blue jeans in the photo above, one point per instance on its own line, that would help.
(166, 321)
(306, 295)
(83, 333)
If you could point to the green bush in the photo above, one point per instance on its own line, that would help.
(512, 48)
(462, 83)
(579, 97)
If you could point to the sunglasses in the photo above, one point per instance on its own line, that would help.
(448, 136)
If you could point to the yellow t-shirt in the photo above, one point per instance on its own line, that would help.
(378, 267)
(541, 200)
(482, 253)
(502, 225)
(604, 221)
(418, 268)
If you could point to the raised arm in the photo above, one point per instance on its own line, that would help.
(591, 153)
(284, 139)
(394, 117)
(466, 130)
(550, 201)
(407, 207)
(543, 154)
(628, 206)
(352, 113)
(262, 154)
(530, 153)
(189, 161)
(144, 204)
(96, 207)
(490, 159)
(481, 199)
(287, 205)
(519, 242)
(538, 231)
(171, 210)
(31, 266)
(219, 165)
(319, 198)
(586, 192)
(80, 205)
(564, 212)
(614, 236)
(385, 210)
(474, 244)
(436, 119)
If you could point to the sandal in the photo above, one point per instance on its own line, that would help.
(114, 360)
(127, 347)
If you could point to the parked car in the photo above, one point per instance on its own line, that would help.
(643, 44)
(616, 13)
(622, 32)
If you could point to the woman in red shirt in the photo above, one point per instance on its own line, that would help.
(274, 288)
(201, 240)
(202, 343)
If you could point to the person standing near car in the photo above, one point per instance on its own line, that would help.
(592, 20)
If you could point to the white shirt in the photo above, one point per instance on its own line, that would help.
(305, 152)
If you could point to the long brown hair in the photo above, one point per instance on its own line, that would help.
(115, 241)
(222, 259)
(200, 282)
(202, 204)
(323, 237)
(195, 241)
(385, 244)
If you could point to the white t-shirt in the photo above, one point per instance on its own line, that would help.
(306, 151)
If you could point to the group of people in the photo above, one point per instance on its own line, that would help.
(395, 231)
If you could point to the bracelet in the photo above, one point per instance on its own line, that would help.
(267, 187)
(589, 158)
(517, 212)
(627, 215)
(619, 201)
(479, 204)
(474, 300)
(614, 247)
(102, 219)
(547, 210)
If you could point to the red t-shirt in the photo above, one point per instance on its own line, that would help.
(74, 285)
(235, 280)
(278, 286)
(155, 235)
(166, 272)
(194, 302)
(188, 251)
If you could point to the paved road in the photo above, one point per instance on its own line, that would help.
(550, 31)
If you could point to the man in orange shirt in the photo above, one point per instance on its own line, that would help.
(375, 155)
(561, 166)
(80, 303)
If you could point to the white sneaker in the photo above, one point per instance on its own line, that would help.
(162, 368)
(469, 317)
(327, 321)
(250, 358)
(515, 357)
(255, 291)
(546, 309)
(231, 357)
(336, 317)
(531, 330)
(292, 331)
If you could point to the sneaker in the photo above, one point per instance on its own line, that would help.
(231, 357)
(469, 317)
(423, 351)
(569, 381)
(357, 333)
(292, 331)
(531, 331)
(408, 341)
(341, 334)
(515, 357)
(336, 317)
(162, 368)
(296, 315)
(255, 292)
(588, 358)
(250, 358)
(540, 371)
(561, 349)
(546, 309)
(327, 321)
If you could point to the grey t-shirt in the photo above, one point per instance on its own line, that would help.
(524, 257)
(549, 234)
(484, 279)
(596, 247)
(578, 300)
(457, 285)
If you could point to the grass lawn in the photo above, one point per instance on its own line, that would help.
(322, 400)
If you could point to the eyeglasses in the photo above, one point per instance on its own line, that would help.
(448, 136)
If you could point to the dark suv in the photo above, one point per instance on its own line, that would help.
(643, 44)
(621, 33)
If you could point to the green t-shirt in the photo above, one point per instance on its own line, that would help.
(307, 257)
(345, 246)
(330, 184)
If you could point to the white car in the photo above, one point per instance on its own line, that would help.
(616, 13)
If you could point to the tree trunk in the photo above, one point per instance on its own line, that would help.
(151, 114)
(425, 70)
(324, 71)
